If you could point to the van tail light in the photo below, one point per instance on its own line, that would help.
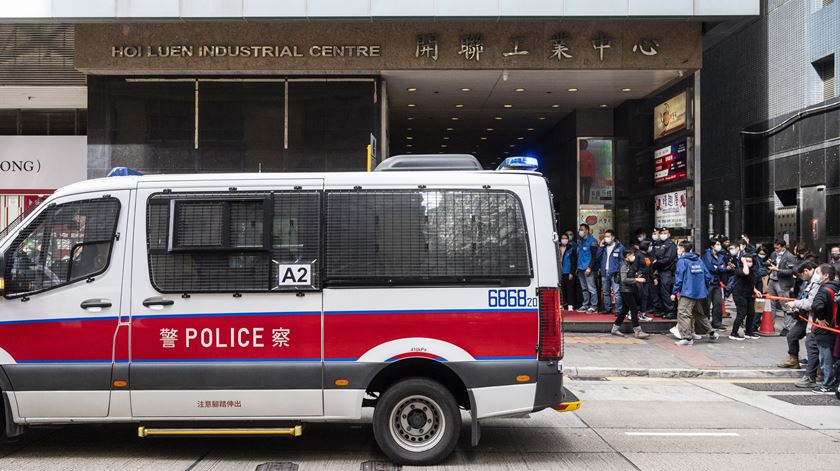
(551, 324)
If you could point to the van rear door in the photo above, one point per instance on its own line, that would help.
(226, 301)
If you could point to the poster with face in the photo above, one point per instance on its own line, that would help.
(670, 116)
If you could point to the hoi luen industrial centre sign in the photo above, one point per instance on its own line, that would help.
(272, 47)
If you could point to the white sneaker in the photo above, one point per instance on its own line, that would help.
(714, 336)
(684, 342)
(675, 332)
(697, 337)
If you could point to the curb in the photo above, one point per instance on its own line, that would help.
(587, 372)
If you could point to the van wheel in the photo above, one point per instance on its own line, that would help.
(417, 422)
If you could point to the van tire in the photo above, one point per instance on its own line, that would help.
(430, 429)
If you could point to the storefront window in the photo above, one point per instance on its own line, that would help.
(596, 184)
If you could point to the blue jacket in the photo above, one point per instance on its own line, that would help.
(587, 253)
(616, 256)
(692, 280)
(715, 265)
(568, 258)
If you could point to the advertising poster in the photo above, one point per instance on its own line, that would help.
(41, 163)
(671, 163)
(599, 220)
(671, 210)
(670, 117)
(595, 160)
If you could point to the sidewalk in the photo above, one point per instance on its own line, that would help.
(602, 355)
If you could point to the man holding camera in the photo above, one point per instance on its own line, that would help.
(782, 267)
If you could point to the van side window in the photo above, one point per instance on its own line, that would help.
(64, 244)
(234, 242)
(425, 236)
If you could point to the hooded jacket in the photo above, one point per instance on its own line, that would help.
(692, 280)
(823, 309)
(715, 265)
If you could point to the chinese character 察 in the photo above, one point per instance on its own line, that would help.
(427, 46)
(471, 47)
(560, 47)
(646, 47)
(168, 337)
(280, 337)
(600, 43)
(516, 51)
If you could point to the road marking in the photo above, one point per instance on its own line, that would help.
(682, 434)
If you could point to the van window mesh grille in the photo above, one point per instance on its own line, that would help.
(77, 235)
(225, 260)
(428, 235)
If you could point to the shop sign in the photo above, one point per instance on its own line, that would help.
(670, 116)
(41, 162)
(671, 163)
(672, 210)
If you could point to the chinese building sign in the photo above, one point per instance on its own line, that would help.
(671, 163)
(265, 46)
(670, 210)
(671, 116)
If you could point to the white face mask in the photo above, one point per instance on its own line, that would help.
(631, 259)
(718, 248)
(564, 241)
(816, 277)
(733, 252)
(608, 240)
(640, 238)
(581, 234)
(663, 237)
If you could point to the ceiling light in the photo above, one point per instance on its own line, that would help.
(466, 89)
(443, 145)
(411, 105)
(520, 138)
(573, 90)
(483, 138)
(530, 129)
(555, 106)
(409, 137)
(459, 106)
(602, 105)
(508, 106)
(498, 118)
(410, 129)
(511, 145)
(519, 90)
(445, 138)
(541, 118)
(490, 129)
(454, 118)
(411, 118)
(625, 89)
(409, 145)
(411, 89)
(450, 129)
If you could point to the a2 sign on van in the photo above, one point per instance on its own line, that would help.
(295, 275)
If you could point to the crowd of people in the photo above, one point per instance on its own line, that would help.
(654, 276)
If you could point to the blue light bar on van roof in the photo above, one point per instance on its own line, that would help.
(520, 163)
(123, 172)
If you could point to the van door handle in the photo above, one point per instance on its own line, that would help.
(96, 304)
(157, 302)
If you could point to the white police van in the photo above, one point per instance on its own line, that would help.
(287, 297)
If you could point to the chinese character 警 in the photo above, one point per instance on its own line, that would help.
(560, 47)
(427, 46)
(471, 47)
(280, 337)
(646, 47)
(600, 43)
(168, 337)
(515, 51)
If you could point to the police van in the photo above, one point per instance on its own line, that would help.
(190, 299)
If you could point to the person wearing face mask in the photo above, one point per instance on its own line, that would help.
(743, 285)
(587, 248)
(641, 236)
(609, 255)
(629, 281)
(834, 256)
(824, 310)
(691, 285)
(782, 265)
(664, 263)
(567, 260)
(645, 270)
(811, 276)
(715, 261)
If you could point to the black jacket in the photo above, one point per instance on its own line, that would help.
(627, 277)
(823, 309)
(665, 256)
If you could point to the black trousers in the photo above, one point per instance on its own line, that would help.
(630, 303)
(569, 288)
(715, 294)
(745, 307)
(795, 334)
